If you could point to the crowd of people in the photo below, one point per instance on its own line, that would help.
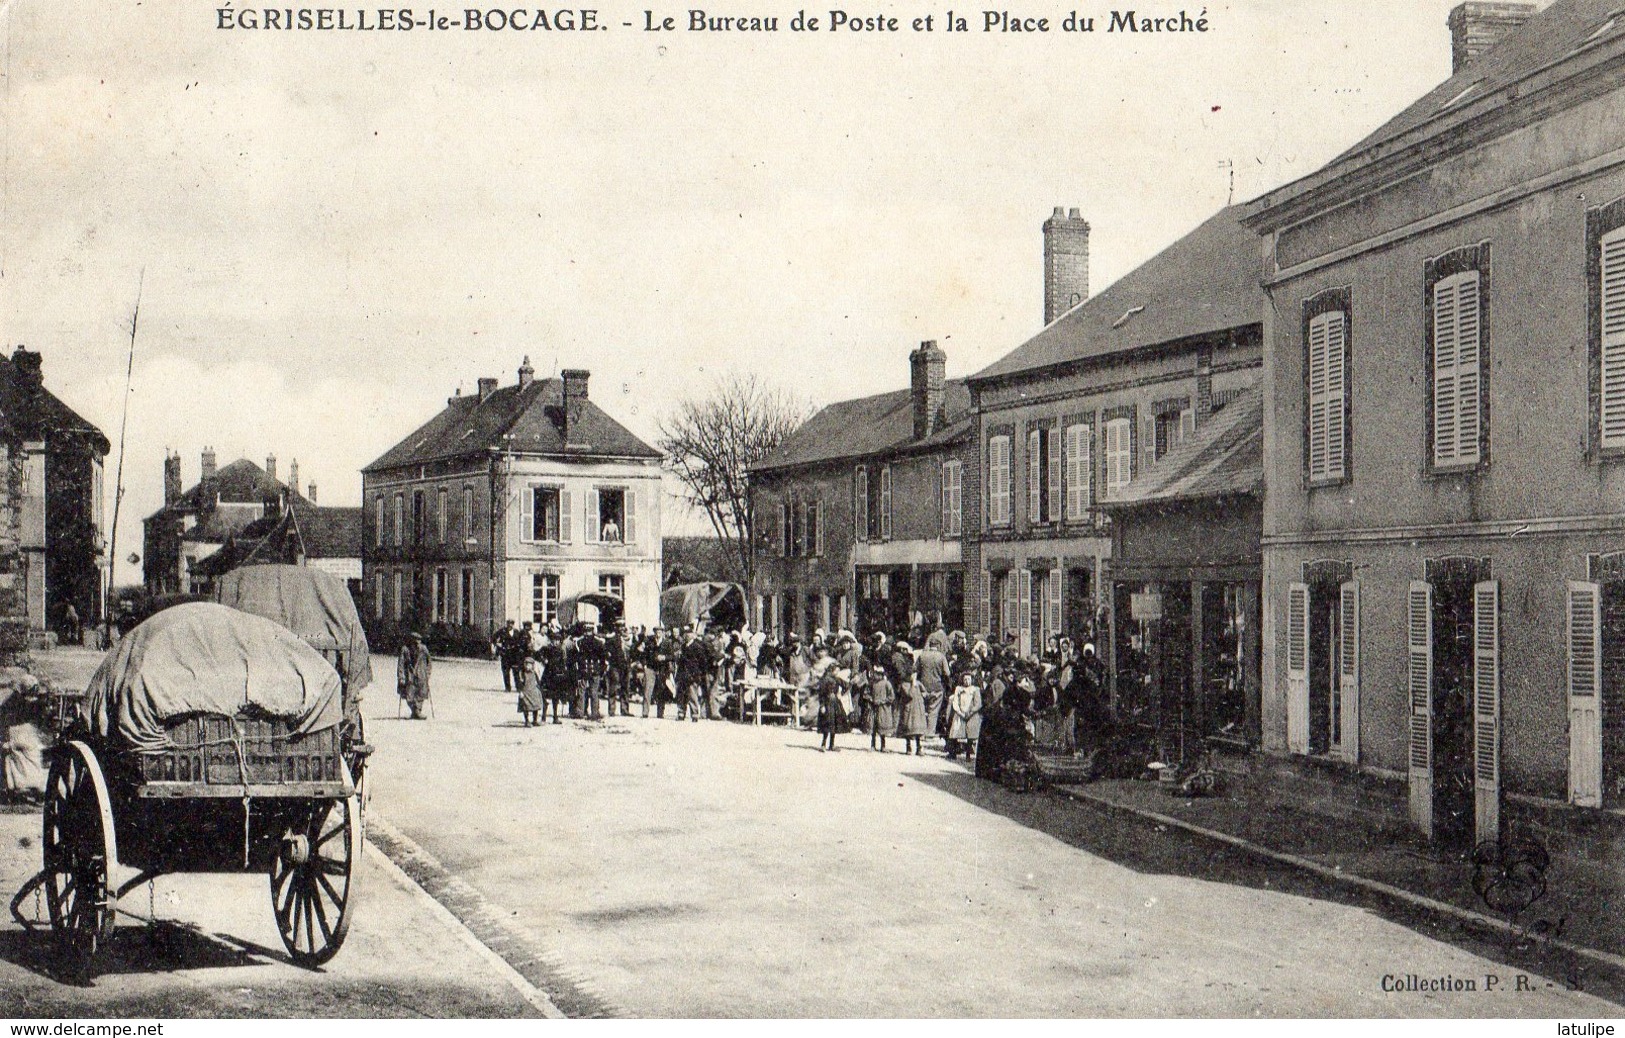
(979, 696)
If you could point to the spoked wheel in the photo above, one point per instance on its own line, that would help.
(313, 879)
(79, 850)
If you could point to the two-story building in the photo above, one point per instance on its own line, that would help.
(512, 503)
(1445, 433)
(857, 517)
(195, 523)
(1077, 414)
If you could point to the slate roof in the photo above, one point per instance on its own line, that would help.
(1224, 456)
(321, 533)
(242, 482)
(868, 425)
(1205, 282)
(1562, 31)
(533, 416)
(329, 533)
(55, 415)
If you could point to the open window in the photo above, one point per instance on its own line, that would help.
(543, 509)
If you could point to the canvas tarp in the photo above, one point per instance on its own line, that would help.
(316, 606)
(207, 658)
(692, 603)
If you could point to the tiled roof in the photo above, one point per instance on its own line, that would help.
(54, 414)
(242, 482)
(1206, 282)
(329, 533)
(322, 533)
(527, 420)
(1224, 456)
(869, 425)
(1567, 29)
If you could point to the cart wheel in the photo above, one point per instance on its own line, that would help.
(313, 880)
(79, 850)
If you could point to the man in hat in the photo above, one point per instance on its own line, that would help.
(617, 671)
(412, 668)
(694, 665)
(502, 649)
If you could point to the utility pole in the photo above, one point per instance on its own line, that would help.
(118, 480)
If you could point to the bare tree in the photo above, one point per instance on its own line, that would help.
(710, 442)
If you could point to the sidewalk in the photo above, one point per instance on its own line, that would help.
(1289, 818)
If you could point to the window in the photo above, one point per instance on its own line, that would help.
(813, 528)
(1119, 455)
(612, 584)
(542, 511)
(420, 530)
(465, 600)
(398, 613)
(1457, 348)
(609, 515)
(440, 515)
(786, 529)
(440, 609)
(1078, 471)
(400, 523)
(468, 513)
(1326, 374)
(860, 503)
(952, 493)
(1052, 473)
(544, 598)
(1167, 434)
(378, 526)
(998, 481)
(798, 530)
(885, 503)
(1035, 476)
(378, 582)
(1610, 307)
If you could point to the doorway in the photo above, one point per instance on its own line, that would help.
(1452, 703)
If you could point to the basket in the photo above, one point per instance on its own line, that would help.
(218, 750)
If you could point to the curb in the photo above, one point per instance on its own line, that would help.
(1411, 898)
(567, 992)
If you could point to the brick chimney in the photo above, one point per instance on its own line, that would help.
(172, 478)
(487, 387)
(1066, 262)
(311, 493)
(30, 386)
(575, 398)
(927, 368)
(293, 475)
(1477, 27)
(270, 465)
(208, 464)
(527, 374)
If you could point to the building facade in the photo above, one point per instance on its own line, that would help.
(1445, 432)
(857, 518)
(513, 503)
(197, 522)
(1074, 416)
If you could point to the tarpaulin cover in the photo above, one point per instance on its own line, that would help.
(316, 606)
(207, 658)
(691, 603)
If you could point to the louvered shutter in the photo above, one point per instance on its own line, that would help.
(1148, 446)
(1010, 615)
(986, 606)
(818, 529)
(527, 511)
(1444, 372)
(1024, 611)
(566, 517)
(1187, 425)
(1348, 671)
(1612, 319)
(1456, 341)
(1297, 668)
(1317, 397)
(1035, 477)
(1585, 695)
(945, 499)
(594, 529)
(860, 502)
(1055, 580)
(1336, 388)
(1419, 684)
(885, 503)
(1056, 498)
(1486, 710)
(630, 534)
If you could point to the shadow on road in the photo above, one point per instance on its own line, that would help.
(1149, 848)
(164, 947)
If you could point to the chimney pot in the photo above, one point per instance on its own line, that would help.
(293, 475)
(526, 373)
(172, 478)
(208, 468)
(1477, 27)
(1066, 263)
(487, 386)
(270, 465)
(312, 493)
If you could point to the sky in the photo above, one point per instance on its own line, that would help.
(331, 232)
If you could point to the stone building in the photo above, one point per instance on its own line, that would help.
(196, 522)
(512, 503)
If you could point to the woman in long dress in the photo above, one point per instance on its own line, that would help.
(882, 702)
(912, 724)
(831, 714)
(531, 703)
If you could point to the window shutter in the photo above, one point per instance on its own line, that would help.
(1326, 389)
(1486, 711)
(1054, 604)
(1585, 695)
(1348, 676)
(860, 502)
(986, 607)
(786, 530)
(1055, 496)
(944, 497)
(1035, 476)
(885, 502)
(1612, 302)
(566, 516)
(818, 530)
(1468, 346)
(1148, 445)
(1419, 632)
(1010, 615)
(1187, 425)
(527, 510)
(594, 519)
(1456, 348)
(1297, 668)
(1336, 388)
(1444, 372)
(1024, 612)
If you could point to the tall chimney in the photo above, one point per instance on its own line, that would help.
(293, 475)
(527, 374)
(575, 397)
(487, 387)
(927, 370)
(1066, 263)
(1477, 28)
(208, 464)
(270, 465)
(172, 478)
(311, 493)
(30, 386)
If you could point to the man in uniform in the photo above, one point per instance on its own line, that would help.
(694, 668)
(617, 670)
